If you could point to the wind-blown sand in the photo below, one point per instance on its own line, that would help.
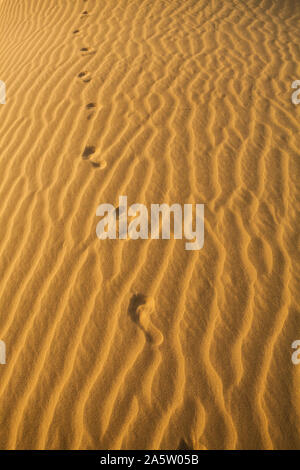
(142, 344)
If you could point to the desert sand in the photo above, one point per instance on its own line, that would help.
(140, 344)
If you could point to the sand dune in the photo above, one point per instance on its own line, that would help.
(140, 344)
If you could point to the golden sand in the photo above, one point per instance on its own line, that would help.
(140, 344)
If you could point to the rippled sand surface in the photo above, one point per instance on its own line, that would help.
(141, 344)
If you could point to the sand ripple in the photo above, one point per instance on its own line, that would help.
(141, 344)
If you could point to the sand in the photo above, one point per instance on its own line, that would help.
(140, 344)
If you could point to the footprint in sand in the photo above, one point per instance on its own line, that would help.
(88, 151)
(87, 51)
(90, 106)
(85, 76)
(183, 445)
(84, 15)
(99, 164)
(139, 310)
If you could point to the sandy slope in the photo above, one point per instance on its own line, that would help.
(141, 344)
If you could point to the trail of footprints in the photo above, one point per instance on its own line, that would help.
(137, 302)
(85, 77)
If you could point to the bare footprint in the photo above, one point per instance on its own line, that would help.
(87, 51)
(90, 106)
(183, 445)
(88, 151)
(99, 164)
(139, 310)
(86, 78)
(133, 310)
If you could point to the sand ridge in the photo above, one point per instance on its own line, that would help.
(140, 344)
